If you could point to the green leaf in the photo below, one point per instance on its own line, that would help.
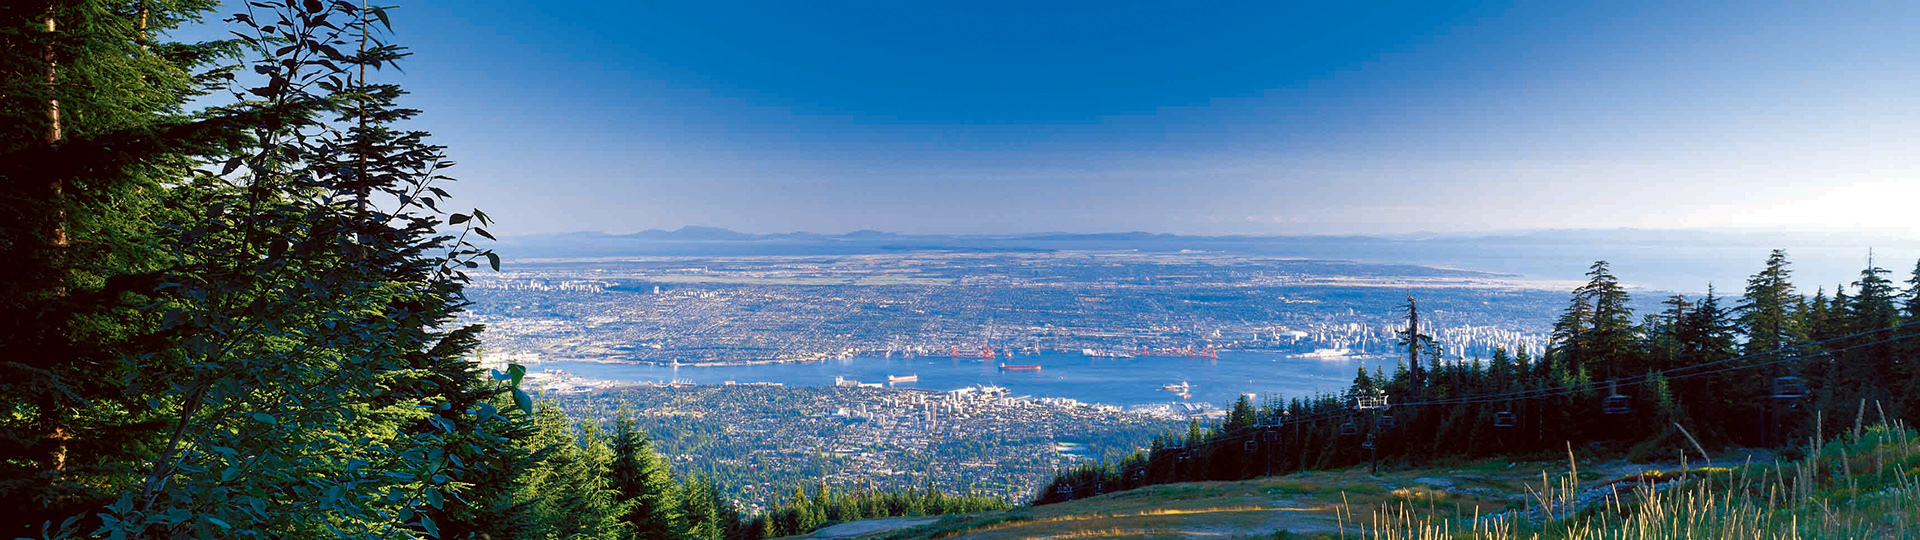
(483, 232)
(265, 418)
(433, 498)
(217, 521)
(493, 260)
(523, 401)
(457, 219)
(516, 371)
(427, 523)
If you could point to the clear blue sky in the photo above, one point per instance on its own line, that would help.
(1193, 117)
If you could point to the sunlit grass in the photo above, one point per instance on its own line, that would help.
(1865, 484)
(1862, 485)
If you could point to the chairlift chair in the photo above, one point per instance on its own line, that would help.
(1099, 488)
(1367, 444)
(1185, 455)
(1271, 435)
(1065, 491)
(1505, 419)
(1349, 429)
(1789, 388)
(1251, 446)
(1376, 399)
(1616, 404)
(1139, 474)
(1385, 422)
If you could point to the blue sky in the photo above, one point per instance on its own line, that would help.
(1192, 117)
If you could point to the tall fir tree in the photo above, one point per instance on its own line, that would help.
(92, 132)
(1867, 370)
(1767, 309)
(708, 517)
(568, 490)
(1907, 359)
(645, 485)
(1610, 339)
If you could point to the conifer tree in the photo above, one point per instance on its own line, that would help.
(1242, 416)
(1767, 309)
(249, 306)
(1610, 337)
(1865, 371)
(654, 509)
(1907, 359)
(91, 131)
(1568, 341)
(702, 505)
(568, 490)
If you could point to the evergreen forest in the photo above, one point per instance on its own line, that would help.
(1770, 368)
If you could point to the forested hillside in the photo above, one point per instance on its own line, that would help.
(1754, 370)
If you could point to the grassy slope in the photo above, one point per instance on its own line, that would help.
(1305, 502)
(1866, 485)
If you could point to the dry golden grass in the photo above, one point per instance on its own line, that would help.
(1857, 487)
(1863, 485)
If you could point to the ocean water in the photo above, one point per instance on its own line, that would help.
(1126, 382)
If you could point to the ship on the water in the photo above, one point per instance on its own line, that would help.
(891, 379)
(1011, 367)
(1103, 353)
(1183, 387)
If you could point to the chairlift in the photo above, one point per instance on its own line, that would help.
(1065, 491)
(1251, 446)
(1789, 388)
(1367, 444)
(1616, 404)
(1099, 488)
(1505, 419)
(1139, 474)
(1271, 435)
(1185, 455)
(1385, 422)
(1376, 399)
(1349, 429)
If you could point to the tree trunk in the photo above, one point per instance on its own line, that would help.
(57, 231)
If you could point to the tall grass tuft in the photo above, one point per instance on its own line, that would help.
(1863, 484)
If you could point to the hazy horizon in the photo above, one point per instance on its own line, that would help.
(1893, 234)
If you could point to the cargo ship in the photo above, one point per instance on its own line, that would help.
(1011, 367)
(902, 378)
(1101, 353)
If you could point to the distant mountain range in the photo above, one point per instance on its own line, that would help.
(1684, 260)
(697, 233)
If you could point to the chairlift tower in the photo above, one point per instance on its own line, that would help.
(1376, 402)
(1789, 387)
